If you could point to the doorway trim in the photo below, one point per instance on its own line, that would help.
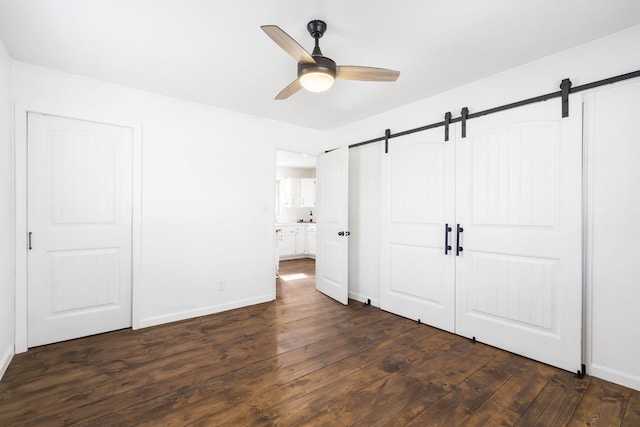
(20, 200)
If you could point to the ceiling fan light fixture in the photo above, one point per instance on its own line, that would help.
(316, 81)
(318, 76)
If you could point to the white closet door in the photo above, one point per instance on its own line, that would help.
(80, 217)
(518, 277)
(332, 228)
(417, 277)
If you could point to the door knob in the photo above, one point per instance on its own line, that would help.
(340, 233)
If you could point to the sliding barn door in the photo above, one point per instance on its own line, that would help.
(80, 221)
(518, 202)
(417, 270)
(332, 231)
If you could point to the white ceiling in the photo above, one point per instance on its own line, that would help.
(214, 52)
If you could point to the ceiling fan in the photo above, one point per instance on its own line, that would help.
(316, 72)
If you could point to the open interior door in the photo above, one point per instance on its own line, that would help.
(332, 225)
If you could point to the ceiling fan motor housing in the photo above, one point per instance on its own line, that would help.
(323, 65)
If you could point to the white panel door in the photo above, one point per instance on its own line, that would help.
(418, 194)
(332, 255)
(80, 220)
(518, 201)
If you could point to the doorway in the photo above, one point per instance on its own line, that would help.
(295, 205)
(303, 238)
(23, 117)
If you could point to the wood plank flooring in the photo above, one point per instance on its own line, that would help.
(302, 360)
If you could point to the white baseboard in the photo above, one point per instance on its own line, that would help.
(203, 311)
(6, 359)
(615, 376)
(362, 298)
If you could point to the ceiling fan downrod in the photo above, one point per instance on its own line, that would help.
(317, 28)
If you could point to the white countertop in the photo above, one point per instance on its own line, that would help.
(294, 224)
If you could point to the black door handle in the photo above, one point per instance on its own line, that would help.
(458, 231)
(340, 233)
(447, 246)
(30, 233)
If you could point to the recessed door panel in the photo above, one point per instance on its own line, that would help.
(513, 289)
(332, 262)
(410, 265)
(84, 280)
(83, 183)
(515, 175)
(410, 165)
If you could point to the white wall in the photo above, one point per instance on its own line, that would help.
(6, 215)
(613, 273)
(364, 223)
(606, 57)
(207, 190)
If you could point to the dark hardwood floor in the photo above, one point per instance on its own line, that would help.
(302, 360)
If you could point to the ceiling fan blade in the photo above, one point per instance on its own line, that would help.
(293, 87)
(286, 42)
(370, 74)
